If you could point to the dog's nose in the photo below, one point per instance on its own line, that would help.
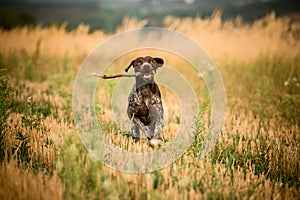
(146, 67)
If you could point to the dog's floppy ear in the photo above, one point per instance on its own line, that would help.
(159, 62)
(127, 68)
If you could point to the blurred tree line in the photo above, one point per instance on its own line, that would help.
(10, 18)
(109, 16)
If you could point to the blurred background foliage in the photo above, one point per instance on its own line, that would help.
(108, 14)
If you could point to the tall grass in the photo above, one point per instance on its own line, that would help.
(256, 157)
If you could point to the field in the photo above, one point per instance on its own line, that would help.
(257, 155)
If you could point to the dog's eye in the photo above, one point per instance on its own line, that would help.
(139, 62)
(152, 61)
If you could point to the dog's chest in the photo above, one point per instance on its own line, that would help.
(146, 96)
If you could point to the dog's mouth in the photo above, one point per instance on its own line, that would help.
(147, 75)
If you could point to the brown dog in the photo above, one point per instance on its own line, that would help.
(145, 108)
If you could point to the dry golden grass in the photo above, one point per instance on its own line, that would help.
(23, 184)
(257, 156)
(230, 40)
(239, 41)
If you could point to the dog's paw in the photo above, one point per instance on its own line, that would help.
(136, 139)
(155, 142)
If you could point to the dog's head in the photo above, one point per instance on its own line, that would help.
(146, 67)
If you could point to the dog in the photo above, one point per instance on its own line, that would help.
(145, 108)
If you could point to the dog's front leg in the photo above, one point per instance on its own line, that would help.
(157, 123)
(158, 128)
(138, 124)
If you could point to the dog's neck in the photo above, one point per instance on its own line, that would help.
(140, 82)
(140, 85)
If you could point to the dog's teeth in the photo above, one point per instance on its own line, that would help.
(147, 75)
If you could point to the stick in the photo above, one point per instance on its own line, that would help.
(105, 76)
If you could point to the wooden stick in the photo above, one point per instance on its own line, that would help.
(105, 76)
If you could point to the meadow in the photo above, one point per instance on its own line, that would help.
(257, 155)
